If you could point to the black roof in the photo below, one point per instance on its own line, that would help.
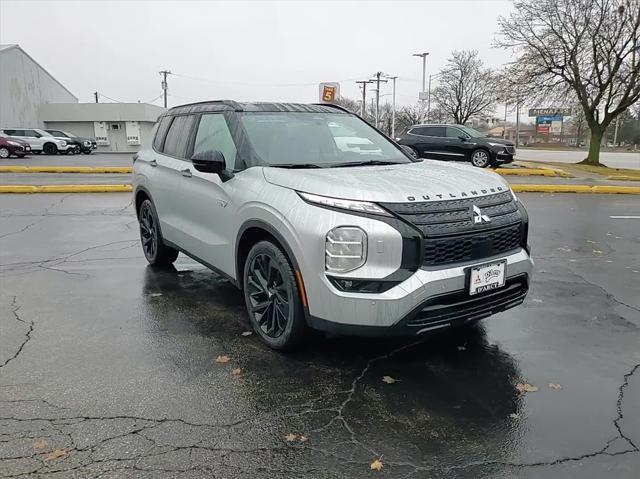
(230, 105)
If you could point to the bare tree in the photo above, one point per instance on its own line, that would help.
(466, 87)
(349, 104)
(410, 115)
(589, 49)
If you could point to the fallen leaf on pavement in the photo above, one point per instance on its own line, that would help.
(236, 372)
(56, 454)
(303, 439)
(389, 380)
(526, 388)
(40, 444)
(376, 465)
(247, 333)
(555, 386)
(597, 251)
(592, 242)
(290, 437)
(222, 359)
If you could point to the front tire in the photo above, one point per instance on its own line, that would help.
(272, 297)
(480, 158)
(50, 149)
(153, 247)
(4, 153)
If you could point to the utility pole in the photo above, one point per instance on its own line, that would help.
(378, 81)
(424, 69)
(95, 94)
(393, 108)
(615, 132)
(517, 118)
(504, 128)
(165, 88)
(364, 84)
(429, 101)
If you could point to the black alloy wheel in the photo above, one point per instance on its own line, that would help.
(50, 149)
(153, 247)
(148, 232)
(269, 295)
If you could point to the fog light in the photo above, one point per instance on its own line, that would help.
(345, 249)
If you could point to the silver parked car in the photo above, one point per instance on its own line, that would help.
(39, 140)
(319, 236)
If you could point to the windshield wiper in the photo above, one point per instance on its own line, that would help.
(365, 163)
(296, 165)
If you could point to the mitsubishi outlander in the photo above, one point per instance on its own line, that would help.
(326, 234)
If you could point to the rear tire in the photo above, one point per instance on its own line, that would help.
(415, 152)
(272, 297)
(153, 247)
(50, 149)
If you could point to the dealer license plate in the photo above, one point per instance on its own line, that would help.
(486, 277)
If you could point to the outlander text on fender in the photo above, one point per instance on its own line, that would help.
(326, 224)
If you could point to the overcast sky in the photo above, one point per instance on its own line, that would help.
(245, 50)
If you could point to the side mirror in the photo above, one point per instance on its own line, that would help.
(409, 151)
(210, 161)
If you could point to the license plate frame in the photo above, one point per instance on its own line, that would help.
(492, 276)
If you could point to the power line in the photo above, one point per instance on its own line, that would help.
(274, 85)
(109, 98)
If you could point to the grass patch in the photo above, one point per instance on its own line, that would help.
(599, 170)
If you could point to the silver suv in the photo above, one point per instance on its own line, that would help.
(321, 234)
(39, 140)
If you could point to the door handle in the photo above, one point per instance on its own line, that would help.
(153, 163)
(186, 173)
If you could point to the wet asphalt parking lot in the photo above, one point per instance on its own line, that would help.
(108, 367)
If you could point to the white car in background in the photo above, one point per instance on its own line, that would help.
(39, 140)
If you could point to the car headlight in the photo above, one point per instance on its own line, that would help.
(87, 143)
(353, 205)
(13, 143)
(345, 249)
(63, 143)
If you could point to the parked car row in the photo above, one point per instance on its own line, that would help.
(49, 142)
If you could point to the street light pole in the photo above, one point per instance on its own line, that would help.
(429, 101)
(378, 81)
(424, 68)
(393, 109)
(364, 96)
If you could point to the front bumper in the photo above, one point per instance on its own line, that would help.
(430, 299)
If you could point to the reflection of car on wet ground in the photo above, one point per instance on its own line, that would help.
(457, 143)
(13, 146)
(373, 242)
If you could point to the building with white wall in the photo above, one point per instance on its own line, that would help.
(117, 127)
(24, 87)
(30, 97)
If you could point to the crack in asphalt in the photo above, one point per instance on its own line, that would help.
(30, 326)
(607, 293)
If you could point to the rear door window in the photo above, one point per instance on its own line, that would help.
(177, 140)
(453, 132)
(429, 131)
(161, 131)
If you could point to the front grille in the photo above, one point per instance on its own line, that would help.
(457, 307)
(450, 234)
(471, 246)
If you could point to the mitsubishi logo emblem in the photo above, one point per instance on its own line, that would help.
(478, 217)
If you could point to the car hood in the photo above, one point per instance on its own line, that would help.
(428, 180)
(500, 141)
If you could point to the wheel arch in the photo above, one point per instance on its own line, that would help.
(141, 194)
(250, 233)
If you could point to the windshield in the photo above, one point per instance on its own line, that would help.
(471, 132)
(316, 139)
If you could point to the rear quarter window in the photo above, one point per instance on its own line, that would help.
(161, 132)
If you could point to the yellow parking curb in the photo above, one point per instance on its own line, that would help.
(525, 188)
(64, 188)
(623, 178)
(65, 169)
(532, 172)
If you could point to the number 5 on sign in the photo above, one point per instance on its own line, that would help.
(329, 92)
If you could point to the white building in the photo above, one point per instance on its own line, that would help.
(120, 127)
(30, 97)
(24, 87)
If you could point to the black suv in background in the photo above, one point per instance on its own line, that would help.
(457, 142)
(84, 145)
